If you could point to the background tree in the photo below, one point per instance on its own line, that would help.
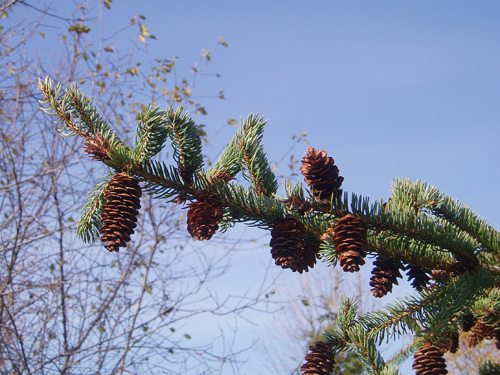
(419, 230)
(306, 307)
(468, 358)
(71, 307)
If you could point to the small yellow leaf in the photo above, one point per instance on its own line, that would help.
(231, 121)
(42, 34)
(142, 39)
(109, 49)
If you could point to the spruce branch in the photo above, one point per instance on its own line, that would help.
(186, 142)
(90, 218)
(228, 162)
(254, 163)
(430, 312)
(366, 350)
(58, 107)
(431, 200)
(346, 316)
(162, 180)
(151, 134)
(489, 368)
(432, 231)
(81, 117)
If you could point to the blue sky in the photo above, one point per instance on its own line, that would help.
(389, 88)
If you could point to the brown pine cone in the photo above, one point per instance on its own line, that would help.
(320, 361)
(288, 248)
(321, 174)
(428, 360)
(479, 332)
(349, 239)
(468, 322)
(455, 343)
(222, 176)
(204, 216)
(385, 274)
(301, 205)
(96, 147)
(119, 213)
(449, 343)
(419, 276)
(439, 276)
(497, 337)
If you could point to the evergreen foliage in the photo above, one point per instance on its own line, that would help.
(418, 227)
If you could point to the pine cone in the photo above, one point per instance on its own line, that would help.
(385, 274)
(321, 174)
(479, 332)
(468, 322)
(204, 216)
(119, 213)
(222, 176)
(455, 342)
(419, 276)
(497, 337)
(428, 360)
(301, 205)
(96, 147)
(320, 361)
(449, 343)
(288, 248)
(439, 276)
(349, 239)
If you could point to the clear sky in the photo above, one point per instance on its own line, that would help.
(389, 88)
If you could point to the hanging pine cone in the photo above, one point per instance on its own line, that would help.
(449, 343)
(321, 174)
(428, 360)
(349, 239)
(468, 322)
(385, 274)
(204, 216)
(497, 337)
(455, 343)
(320, 361)
(479, 332)
(419, 276)
(119, 213)
(288, 248)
